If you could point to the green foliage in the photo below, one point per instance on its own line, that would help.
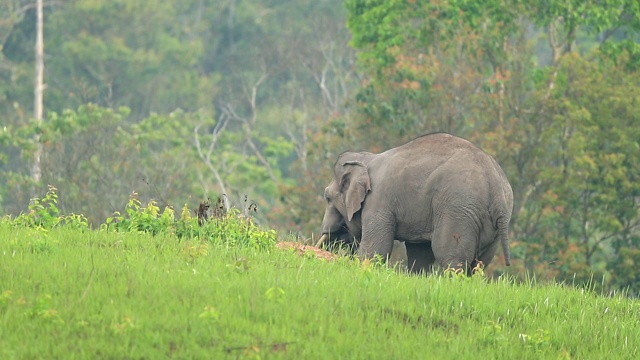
(96, 156)
(230, 228)
(596, 16)
(237, 230)
(624, 269)
(377, 27)
(42, 213)
(118, 53)
(427, 60)
(165, 62)
(625, 53)
(143, 219)
(591, 195)
(82, 150)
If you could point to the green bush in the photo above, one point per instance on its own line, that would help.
(44, 214)
(229, 227)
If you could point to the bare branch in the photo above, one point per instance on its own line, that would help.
(254, 94)
(248, 124)
(299, 144)
(215, 135)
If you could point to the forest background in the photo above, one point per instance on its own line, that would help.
(181, 100)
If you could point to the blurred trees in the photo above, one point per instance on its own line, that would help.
(180, 100)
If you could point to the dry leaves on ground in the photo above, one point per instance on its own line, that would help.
(303, 250)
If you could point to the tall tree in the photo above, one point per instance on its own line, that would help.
(36, 171)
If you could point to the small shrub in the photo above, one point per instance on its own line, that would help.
(142, 219)
(43, 213)
(235, 229)
(221, 226)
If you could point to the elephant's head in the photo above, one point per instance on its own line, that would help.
(341, 239)
(344, 196)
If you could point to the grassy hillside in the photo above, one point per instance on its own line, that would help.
(68, 293)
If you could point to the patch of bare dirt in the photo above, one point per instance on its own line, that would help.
(303, 250)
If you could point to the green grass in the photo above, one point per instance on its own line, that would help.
(92, 294)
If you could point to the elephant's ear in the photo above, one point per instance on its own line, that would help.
(355, 185)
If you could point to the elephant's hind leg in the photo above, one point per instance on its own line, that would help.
(454, 245)
(487, 253)
(420, 258)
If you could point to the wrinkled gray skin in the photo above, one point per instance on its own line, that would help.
(449, 201)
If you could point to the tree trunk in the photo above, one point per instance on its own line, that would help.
(36, 171)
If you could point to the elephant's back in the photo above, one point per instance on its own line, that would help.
(427, 153)
(464, 168)
(438, 144)
(440, 161)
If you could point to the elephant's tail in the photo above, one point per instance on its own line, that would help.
(503, 234)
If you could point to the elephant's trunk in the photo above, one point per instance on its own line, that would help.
(323, 238)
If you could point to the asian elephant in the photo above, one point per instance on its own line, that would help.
(449, 201)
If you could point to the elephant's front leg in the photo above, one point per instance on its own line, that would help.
(377, 238)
